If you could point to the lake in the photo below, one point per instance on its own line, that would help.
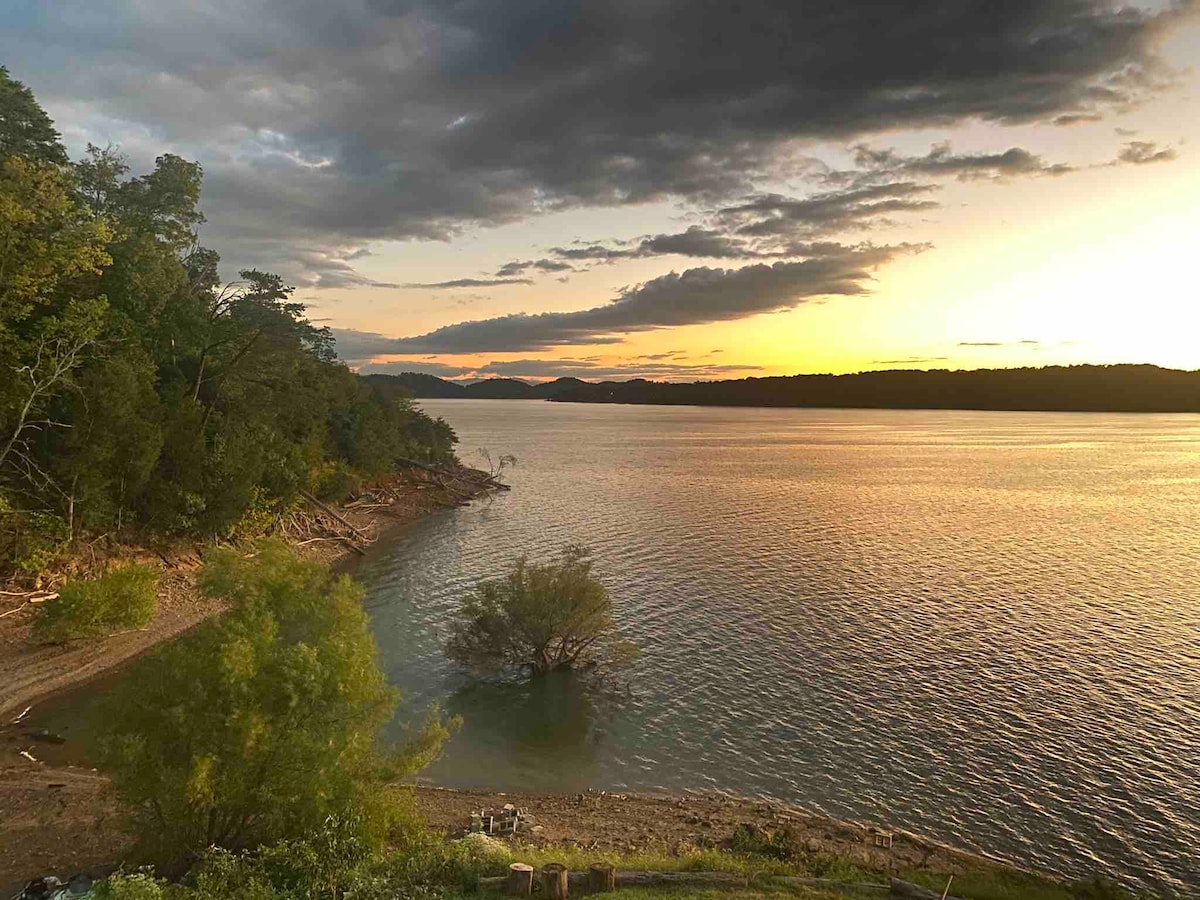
(984, 627)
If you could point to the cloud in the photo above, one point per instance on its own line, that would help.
(1025, 343)
(519, 267)
(333, 126)
(695, 296)
(943, 161)
(1141, 152)
(469, 283)
(545, 369)
(909, 360)
(777, 216)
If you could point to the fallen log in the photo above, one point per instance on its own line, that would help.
(329, 511)
(911, 891)
(452, 473)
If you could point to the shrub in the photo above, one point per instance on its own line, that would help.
(261, 725)
(537, 618)
(29, 540)
(123, 598)
(135, 886)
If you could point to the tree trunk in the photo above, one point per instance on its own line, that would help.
(520, 880)
(554, 881)
(602, 878)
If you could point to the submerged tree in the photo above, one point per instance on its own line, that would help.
(262, 724)
(538, 618)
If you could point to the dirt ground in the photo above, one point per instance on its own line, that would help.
(627, 823)
(65, 820)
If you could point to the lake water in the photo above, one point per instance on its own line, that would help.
(984, 627)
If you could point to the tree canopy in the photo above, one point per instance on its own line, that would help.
(139, 390)
(538, 618)
(262, 724)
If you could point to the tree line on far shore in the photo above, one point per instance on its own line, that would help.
(1082, 388)
(139, 390)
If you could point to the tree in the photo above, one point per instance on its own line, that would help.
(539, 617)
(25, 129)
(262, 724)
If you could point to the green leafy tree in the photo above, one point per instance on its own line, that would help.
(538, 618)
(262, 724)
(25, 129)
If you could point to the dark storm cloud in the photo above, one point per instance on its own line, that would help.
(695, 296)
(332, 125)
(1142, 152)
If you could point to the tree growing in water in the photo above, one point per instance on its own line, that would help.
(262, 725)
(538, 618)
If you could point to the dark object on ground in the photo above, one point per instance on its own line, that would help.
(51, 887)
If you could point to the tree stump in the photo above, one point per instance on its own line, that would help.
(602, 878)
(520, 880)
(554, 881)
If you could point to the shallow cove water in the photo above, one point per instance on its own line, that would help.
(984, 627)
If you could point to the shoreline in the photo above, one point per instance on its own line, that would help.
(62, 820)
(33, 672)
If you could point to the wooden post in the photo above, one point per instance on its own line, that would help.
(602, 878)
(554, 881)
(520, 880)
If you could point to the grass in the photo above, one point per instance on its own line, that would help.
(125, 597)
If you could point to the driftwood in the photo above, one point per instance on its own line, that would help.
(459, 474)
(916, 892)
(330, 511)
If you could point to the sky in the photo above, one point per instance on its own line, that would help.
(670, 189)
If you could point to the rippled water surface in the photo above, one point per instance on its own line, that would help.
(980, 626)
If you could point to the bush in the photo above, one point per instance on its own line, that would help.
(537, 618)
(123, 598)
(29, 540)
(137, 886)
(261, 725)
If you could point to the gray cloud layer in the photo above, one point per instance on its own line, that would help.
(323, 126)
(538, 369)
(695, 296)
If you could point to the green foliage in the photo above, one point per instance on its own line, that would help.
(25, 129)
(539, 617)
(29, 539)
(138, 391)
(777, 844)
(133, 886)
(125, 597)
(260, 726)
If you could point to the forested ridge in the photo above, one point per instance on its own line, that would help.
(137, 390)
(1082, 388)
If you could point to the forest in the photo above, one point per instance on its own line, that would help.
(140, 391)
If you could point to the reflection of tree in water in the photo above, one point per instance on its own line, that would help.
(540, 734)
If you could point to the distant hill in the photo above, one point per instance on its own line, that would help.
(431, 387)
(1121, 388)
